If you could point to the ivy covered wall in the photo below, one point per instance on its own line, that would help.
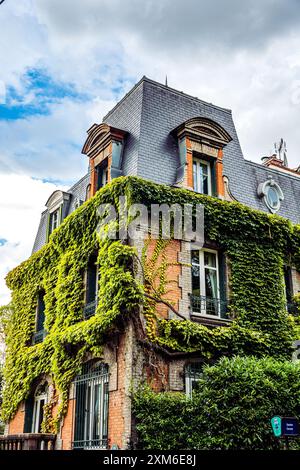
(257, 245)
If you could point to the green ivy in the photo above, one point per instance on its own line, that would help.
(257, 245)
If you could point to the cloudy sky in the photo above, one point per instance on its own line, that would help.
(65, 63)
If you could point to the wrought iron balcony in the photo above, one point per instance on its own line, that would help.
(39, 336)
(90, 309)
(28, 441)
(293, 308)
(202, 305)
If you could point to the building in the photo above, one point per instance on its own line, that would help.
(84, 334)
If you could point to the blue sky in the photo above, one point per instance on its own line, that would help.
(65, 63)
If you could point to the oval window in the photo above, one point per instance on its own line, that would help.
(273, 197)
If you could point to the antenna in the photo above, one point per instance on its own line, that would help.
(166, 80)
(281, 151)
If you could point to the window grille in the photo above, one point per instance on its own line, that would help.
(91, 407)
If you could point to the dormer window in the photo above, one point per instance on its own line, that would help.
(104, 148)
(202, 176)
(54, 220)
(200, 146)
(58, 206)
(102, 175)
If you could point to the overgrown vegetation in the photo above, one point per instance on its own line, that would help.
(257, 245)
(230, 410)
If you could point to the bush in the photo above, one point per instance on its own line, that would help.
(231, 409)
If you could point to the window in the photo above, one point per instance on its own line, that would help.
(40, 332)
(289, 291)
(102, 175)
(91, 287)
(91, 407)
(40, 400)
(271, 193)
(193, 372)
(208, 284)
(202, 176)
(54, 220)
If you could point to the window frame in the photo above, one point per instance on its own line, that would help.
(197, 161)
(91, 385)
(190, 377)
(202, 288)
(51, 227)
(38, 410)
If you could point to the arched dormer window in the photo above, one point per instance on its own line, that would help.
(57, 205)
(104, 147)
(201, 142)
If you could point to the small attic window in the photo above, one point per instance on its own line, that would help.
(57, 206)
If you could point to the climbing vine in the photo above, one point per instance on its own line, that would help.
(257, 246)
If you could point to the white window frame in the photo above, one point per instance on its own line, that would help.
(190, 379)
(37, 411)
(196, 184)
(51, 226)
(202, 267)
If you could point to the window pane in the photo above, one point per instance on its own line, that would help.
(204, 178)
(195, 178)
(96, 413)
(273, 198)
(196, 280)
(210, 259)
(195, 256)
(211, 284)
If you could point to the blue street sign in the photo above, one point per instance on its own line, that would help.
(289, 427)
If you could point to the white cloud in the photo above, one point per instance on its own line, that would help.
(240, 55)
(21, 202)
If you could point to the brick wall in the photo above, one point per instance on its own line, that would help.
(16, 425)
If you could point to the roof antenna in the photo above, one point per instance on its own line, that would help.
(166, 80)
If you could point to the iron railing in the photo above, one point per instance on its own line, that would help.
(91, 408)
(210, 306)
(90, 309)
(93, 444)
(27, 441)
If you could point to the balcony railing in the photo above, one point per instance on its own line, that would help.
(27, 442)
(90, 309)
(202, 305)
(293, 308)
(90, 444)
(39, 336)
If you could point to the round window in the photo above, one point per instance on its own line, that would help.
(271, 193)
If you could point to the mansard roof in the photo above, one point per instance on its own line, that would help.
(148, 114)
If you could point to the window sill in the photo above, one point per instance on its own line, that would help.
(210, 320)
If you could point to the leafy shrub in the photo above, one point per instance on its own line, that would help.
(231, 409)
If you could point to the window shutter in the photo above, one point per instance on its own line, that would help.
(213, 178)
(91, 281)
(288, 284)
(40, 313)
(48, 227)
(28, 414)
